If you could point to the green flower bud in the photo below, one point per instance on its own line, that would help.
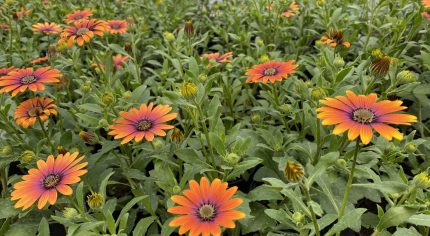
(341, 162)
(422, 180)
(85, 88)
(95, 200)
(71, 213)
(203, 77)
(103, 123)
(338, 61)
(259, 42)
(232, 159)
(255, 118)
(318, 93)
(320, 3)
(264, 58)
(411, 147)
(188, 90)
(127, 95)
(27, 156)
(285, 108)
(6, 150)
(309, 83)
(297, 217)
(318, 43)
(169, 36)
(157, 143)
(176, 189)
(108, 98)
(405, 76)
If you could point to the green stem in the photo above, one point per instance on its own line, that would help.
(4, 177)
(275, 95)
(349, 184)
(319, 146)
(46, 134)
(314, 218)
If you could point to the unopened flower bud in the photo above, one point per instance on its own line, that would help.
(255, 118)
(405, 77)
(321, 3)
(232, 159)
(176, 189)
(297, 217)
(338, 62)
(293, 171)
(422, 180)
(169, 36)
(6, 150)
(157, 143)
(71, 213)
(264, 58)
(127, 95)
(189, 28)
(103, 123)
(318, 93)
(341, 162)
(259, 42)
(286, 108)
(27, 156)
(411, 147)
(177, 135)
(108, 99)
(203, 77)
(95, 200)
(86, 87)
(89, 138)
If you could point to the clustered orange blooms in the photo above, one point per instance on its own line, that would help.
(292, 10)
(218, 57)
(51, 176)
(360, 114)
(119, 60)
(334, 38)
(271, 71)
(205, 207)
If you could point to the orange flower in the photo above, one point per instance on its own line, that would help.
(39, 60)
(361, 113)
(217, 57)
(82, 31)
(143, 123)
(50, 177)
(270, 71)
(205, 208)
(334, 39)
(426, 3)
(425, 15)
(78, 15)
(20, 80)
(46, 28)
(27, 112)
(5, 71)
(22, 12)
(116, 26)
(119, 60)
(293, 9)
(4, 27)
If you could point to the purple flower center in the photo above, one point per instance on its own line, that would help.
(51, 181)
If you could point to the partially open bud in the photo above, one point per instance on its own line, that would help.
(61, 150)
(177, 135)
(188, 90)
(297, 217)
(28, 156)
(189, 28)
(89, 138)
(293, 171)
(405, 77)
(95, 200)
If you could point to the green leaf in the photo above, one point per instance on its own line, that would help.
(406, 232)
(395, 216)
(103, 184)
(242, 167)
(19, 229)
(281, 216)
(118, 49)
(291, 195)
(80, 196)
(420, 219)
(143, 225)
(6, 208)
(350, 220)
(324, 162)
(385, 186)
(43, 227)
(129, 205)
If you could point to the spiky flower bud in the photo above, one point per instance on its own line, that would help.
(157, 143)
(405, 77)
(318, 93)
(293, 171)
(89, 138)
(255, 117)
(28, 156)
(95, 200)
(176, 189)
(338, 61)
(103, 123)
(203, 77)
(6, 150)
(297, 217)
(189, 28)
(286, 108)
(177, 135)
(108, 98)
(188, 90)
(71, 213)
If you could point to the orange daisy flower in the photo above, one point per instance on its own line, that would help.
(425, 15)
(361, 113)
(5, 71)
(20, 80)
(270, 71)
(27, 112)
(293, 9)
(22, 12)
(218, 57)
(46, 28)
(119, 60)
(39, 60)
(82, 31)
(334, 39)
(116, 26)
(426, 3)
(43, 183)
(143, 123)
(205, 208)
(78, 15)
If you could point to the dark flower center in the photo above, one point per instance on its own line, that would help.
(82, 31)
(207, 212)
(144, 125)
(35, 111)
(270, 71)
(28, 79)
(115, 26)
(363, 115)
(51, 181)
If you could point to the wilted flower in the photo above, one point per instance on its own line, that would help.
(22, 13)
(61, 150)
(293, 171)
(40, 60)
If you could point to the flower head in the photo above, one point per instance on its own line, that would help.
(116, 26)
(292, 10)
(381, 64)
(78, 15)
(22, 12)
(119, 60)
(335, 38)
(20, 80)
(5, 71)
(27, 112)
(205, 207)
(426, 3)
(426, 15)
(218, 57)
(270, 71)
(51, 176)
(46, 28)
(39, 60)
(359, 114)
(146, 122)
(82, 31)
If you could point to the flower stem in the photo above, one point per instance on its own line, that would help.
(314, 218)
(45, 134)
(349, 184)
